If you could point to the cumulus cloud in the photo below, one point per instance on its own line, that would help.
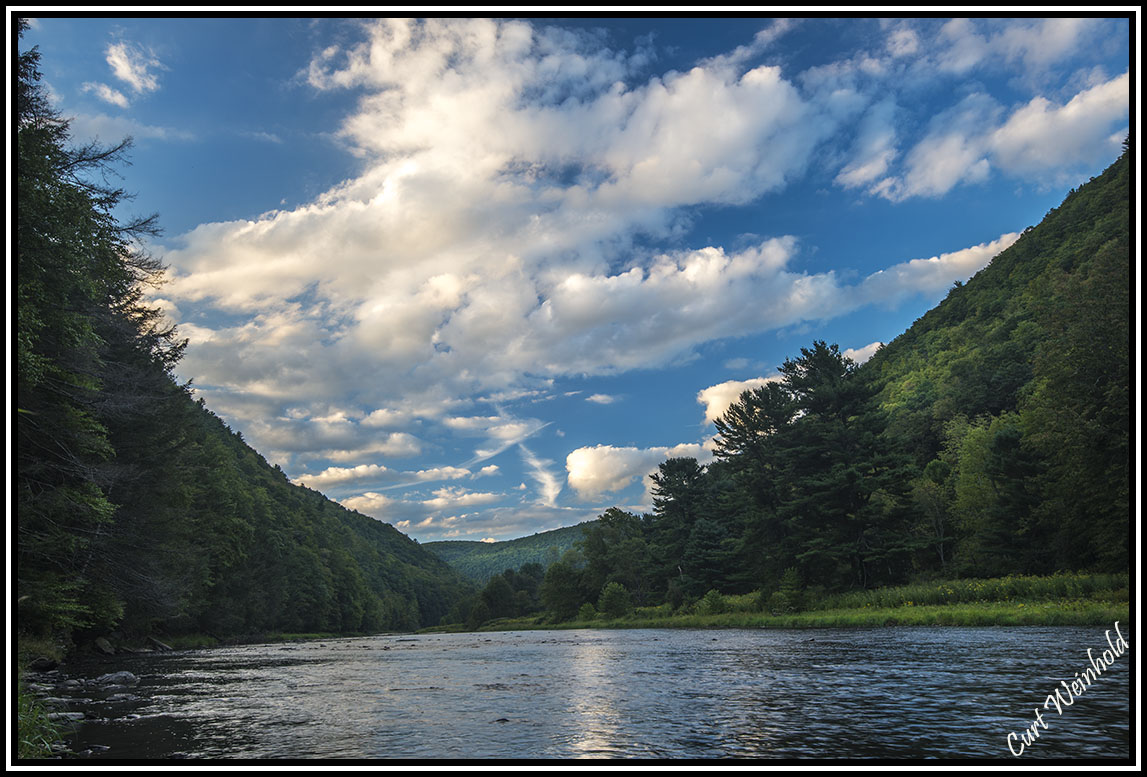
(448, 498)
(490, 234)
(1042, 135)
(931, 275)
(497, 236)
(593, 471)
(717, 399)
(861, 355)
(1039, 140)
(1036, 43)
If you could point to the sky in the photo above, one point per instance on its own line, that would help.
(478, 278)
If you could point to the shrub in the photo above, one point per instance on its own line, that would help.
(614, 601)
(712, 603)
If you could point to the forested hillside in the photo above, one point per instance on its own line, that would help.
(480, 561)
(992, 438)
(137, 509)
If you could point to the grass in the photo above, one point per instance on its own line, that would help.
(1016, 600)
(35, 732)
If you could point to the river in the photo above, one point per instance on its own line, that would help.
(888, 693)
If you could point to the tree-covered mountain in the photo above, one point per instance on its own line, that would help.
(991, 438)
(481, 561)
(137, 509)
(1012, 397)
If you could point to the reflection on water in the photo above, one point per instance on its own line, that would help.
(595, 700)
(887, 693)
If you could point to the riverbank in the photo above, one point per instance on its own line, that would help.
(1015, 600)
(1066, 613)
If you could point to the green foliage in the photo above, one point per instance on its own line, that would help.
(36, 733)
(1012, 588)
(561, 591)
(614, 601)
(712, 603)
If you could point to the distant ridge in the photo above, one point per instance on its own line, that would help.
(480, 561)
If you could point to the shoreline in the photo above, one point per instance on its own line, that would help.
(1049, 614)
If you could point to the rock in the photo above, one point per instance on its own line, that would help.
(60, 701)
(105, 647)
(155, 643)
(42, 664)
(118, 678)
(65, 716)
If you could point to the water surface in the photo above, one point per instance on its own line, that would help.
(829, 693)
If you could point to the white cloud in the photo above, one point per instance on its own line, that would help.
(931, 275)
(363, 474)
(549, 484)
(717, 399)
(134, 65)
(875, 147)
(494, 238)
(602, 469)
(861, 355)
(450, 498)
(601, 399)
(902, 42)
(115, 128)
(1039, 141)
(1042, 135)
(1036, 44)
(107, 94)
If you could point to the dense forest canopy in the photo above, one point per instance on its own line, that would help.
(138, 510)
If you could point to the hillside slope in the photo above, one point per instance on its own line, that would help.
(480, 561)
(1013, 394)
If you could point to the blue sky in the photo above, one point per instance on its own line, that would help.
(478, 278)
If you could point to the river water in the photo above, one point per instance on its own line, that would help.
(888, 693)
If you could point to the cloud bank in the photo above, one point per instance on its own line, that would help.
(497, 238)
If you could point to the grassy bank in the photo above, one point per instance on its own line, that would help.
(1055, 600)
(35, 732)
